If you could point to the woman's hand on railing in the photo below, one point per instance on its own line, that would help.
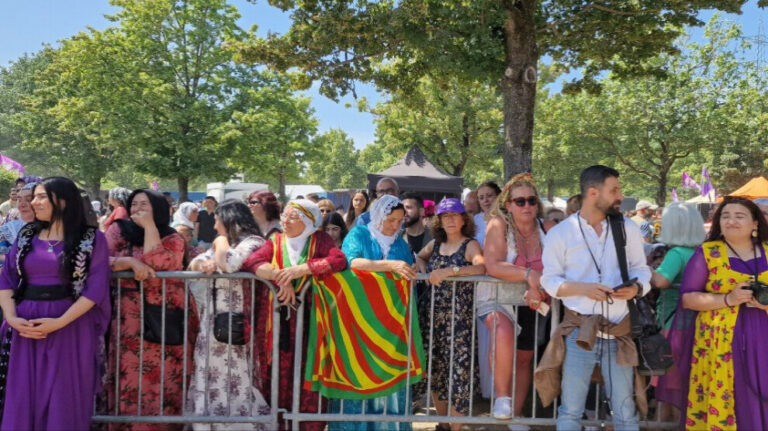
(287, 295)
(141, 271)
(402, 269)
(439, 275)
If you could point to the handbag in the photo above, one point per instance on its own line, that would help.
(153, 325)
(653, 348)
(221, 327)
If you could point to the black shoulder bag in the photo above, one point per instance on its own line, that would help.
(653, 349)
(221, 321)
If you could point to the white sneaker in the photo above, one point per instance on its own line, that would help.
(502, 408)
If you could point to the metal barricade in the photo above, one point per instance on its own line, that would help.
(502, 294)
(187, 416)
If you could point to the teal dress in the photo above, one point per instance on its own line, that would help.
(360, 244)
(671, 268)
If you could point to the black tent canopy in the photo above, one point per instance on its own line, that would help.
(415, 173)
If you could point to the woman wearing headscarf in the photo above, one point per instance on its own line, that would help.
(117, 199)
(54, 291)
(378, 246)
(289, 258)
(186, 215)
(220, 300)
(145, 243)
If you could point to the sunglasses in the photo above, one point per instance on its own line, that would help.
(254, 202)
(530, 200)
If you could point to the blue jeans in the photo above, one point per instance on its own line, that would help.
(577, 372)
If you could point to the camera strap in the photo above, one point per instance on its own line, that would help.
(756, 273)
(620, 240)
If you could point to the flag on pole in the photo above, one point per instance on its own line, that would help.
(689, 182)
(706, 187)
(155, 185)
(674, 195)
(11, 165)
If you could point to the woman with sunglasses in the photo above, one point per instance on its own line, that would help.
(720, 378)
(266, 211)
(513, 247)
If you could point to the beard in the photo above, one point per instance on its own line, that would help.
(609, 208)
(410, 221)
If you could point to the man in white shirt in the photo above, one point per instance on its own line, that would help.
(581, 269)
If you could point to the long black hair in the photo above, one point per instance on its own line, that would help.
(237, 219)
(335, 219)
(161, 213)
(351, 213)
(71, 215)
(715, 233)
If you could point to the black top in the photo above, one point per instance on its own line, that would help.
(416, 242)
(206, 232)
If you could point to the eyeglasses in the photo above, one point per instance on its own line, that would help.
(383, 192)
(254, 202)
(289, 218)
(531, 200)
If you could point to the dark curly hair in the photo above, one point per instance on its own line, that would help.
(438, 233)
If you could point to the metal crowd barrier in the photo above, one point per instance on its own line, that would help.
(533, 415)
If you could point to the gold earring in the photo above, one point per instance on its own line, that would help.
(754, 233)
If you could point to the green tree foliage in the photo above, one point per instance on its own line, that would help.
(176, 74)
(654, 127)
(17, 81)
(271, 137)
(499, 42)
(457, 125)
(335, 162)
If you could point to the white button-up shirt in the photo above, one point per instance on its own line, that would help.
(566, 258)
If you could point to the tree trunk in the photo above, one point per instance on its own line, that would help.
(92, 187)
(551, 190)
(661, 193)
(281, 185)
(183, 189)
(518, 86)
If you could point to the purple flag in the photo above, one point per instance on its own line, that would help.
(707, 187)
(689, 182)
(155, 185)
(674, 195)
(11, 165)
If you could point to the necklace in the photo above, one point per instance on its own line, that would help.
(51, 244)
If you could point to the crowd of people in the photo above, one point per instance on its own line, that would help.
(72, 337)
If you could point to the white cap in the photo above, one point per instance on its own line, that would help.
(642, 205)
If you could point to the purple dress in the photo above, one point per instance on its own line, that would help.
(749, 351)
(52, 382)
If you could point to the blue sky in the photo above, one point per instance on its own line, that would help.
(25, 25)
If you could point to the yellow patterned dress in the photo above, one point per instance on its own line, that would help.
(711, 394)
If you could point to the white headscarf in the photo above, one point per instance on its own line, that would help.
(181, 216)
(309, 213)
(96, 205)
(380, 209)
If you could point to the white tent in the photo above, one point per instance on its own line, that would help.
(303, 190)
(710, 198)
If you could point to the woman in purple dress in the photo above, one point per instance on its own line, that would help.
(720, 379)
(54, 291)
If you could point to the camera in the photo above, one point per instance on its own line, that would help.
(759, 291)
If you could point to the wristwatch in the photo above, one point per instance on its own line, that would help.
(455, 270)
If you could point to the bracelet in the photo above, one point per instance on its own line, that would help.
(725, 299)
(527, 273)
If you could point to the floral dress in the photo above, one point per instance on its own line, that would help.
(125, 340)
(224, 383)
(712, 395)
(450, 331)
